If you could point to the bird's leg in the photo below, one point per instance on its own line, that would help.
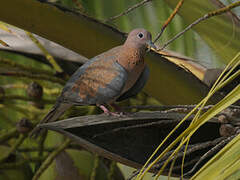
(106, 111)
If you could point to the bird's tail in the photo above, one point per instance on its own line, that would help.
(57, 110)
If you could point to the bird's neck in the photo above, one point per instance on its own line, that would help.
(131, 57)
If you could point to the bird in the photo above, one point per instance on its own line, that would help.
(109, 77)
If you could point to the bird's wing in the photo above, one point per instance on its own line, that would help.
(99, 81)
(137, 87)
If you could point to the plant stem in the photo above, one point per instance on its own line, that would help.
(95, 166)
(112, 169)
(24, 98)
(24, 67)
(9, 134)
(50, 159)
(14, 147)
(48, 56)
(128, 10)
(21, 162)
(33, 76)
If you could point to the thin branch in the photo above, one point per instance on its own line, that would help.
(180, 3)
(135, 126)
(209, 153)
(49, 149)
(174, 108)
(23, 67)
(48, 91)
(8, 135)
(18, 142)
(95, 167)
(16, 108)
(133, 175)
(41, 144)
(128, 10)
(192, 148)
(21, 162)
(33, 76)
(48, 56)
(25, 98)
(50, 159)
(221, 5)
(36, 149)
(113, 167)
(206, 16)
(157, 107)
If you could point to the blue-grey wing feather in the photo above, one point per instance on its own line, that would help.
(104, 95)
(65, 97)
(112, 90)
(77, 74)
(137, 87)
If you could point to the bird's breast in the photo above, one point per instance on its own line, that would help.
(134, 71)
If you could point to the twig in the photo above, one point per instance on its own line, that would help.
(23, 67)
(49, 149)
(157, 107)
(221, 5)
(112, 169)
(50, 159)
(209, 153)
(25, 109)
(133, 175)
(95, 166)
(48, 91)
(33, 76)
(48, 56)
(192, 148)
(16, 108)
(14, 86)
(180, 3)
(128, 10)
(14, 147)
(9, 134)
(41, 144)
(173, 108)
(21, 162)
(134, 126)
(25, 98)
(206, 16)
(35, 149)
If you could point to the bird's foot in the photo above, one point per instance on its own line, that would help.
(109, 113)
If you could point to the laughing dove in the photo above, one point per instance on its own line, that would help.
(114, 75)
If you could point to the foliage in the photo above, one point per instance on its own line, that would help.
(18, 72)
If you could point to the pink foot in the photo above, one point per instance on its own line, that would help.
(107, 112)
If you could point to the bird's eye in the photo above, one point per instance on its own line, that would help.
(140, 35)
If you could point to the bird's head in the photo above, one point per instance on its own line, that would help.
(140, 39)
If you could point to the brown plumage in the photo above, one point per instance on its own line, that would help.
(116, 74)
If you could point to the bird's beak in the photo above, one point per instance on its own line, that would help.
(151, 45)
